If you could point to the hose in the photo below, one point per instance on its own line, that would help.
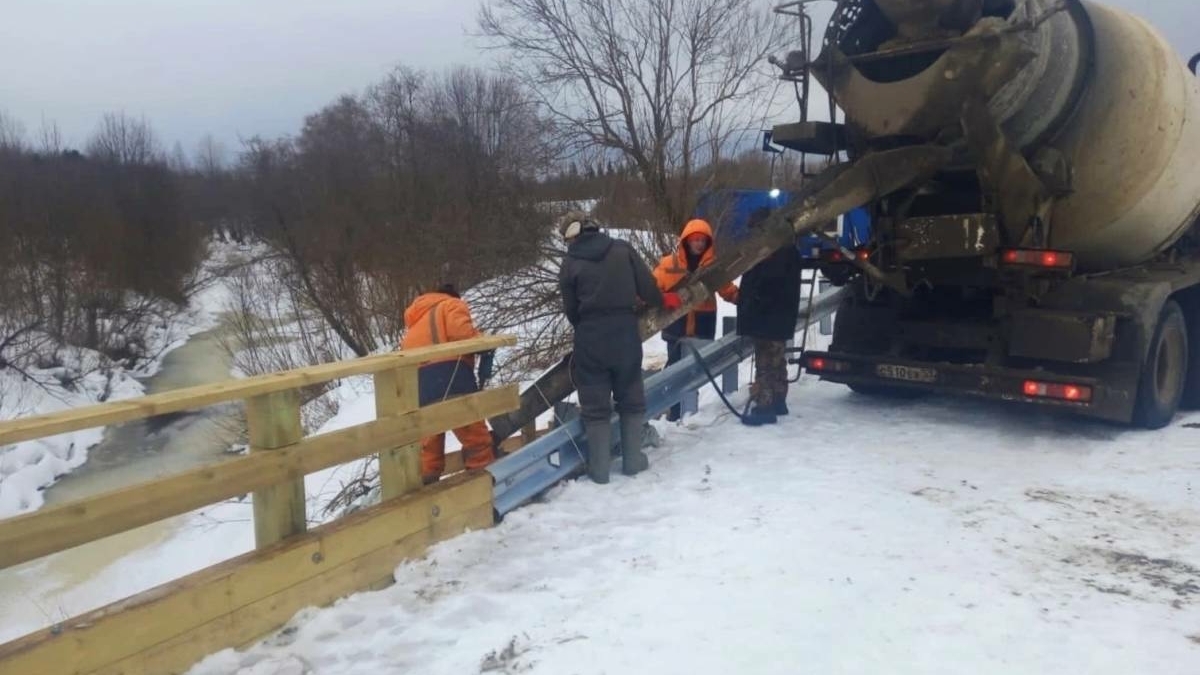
(713, 380)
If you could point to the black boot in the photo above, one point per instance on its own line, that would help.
(633, 460)
(781, 408)
(760, 416)
(599, 438)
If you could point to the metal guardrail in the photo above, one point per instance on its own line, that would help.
(561, 453)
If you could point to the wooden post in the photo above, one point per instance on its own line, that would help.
(274, 423)
(529, 433)
(396, 392)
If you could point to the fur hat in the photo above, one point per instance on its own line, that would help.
(574, 223)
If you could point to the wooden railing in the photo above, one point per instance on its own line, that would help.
(166, 629)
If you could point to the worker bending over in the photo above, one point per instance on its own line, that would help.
(436, 317)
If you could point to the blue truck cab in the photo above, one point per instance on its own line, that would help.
(729, 212)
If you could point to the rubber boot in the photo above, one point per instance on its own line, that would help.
(760, 416)
(633, 460)
(599, 438)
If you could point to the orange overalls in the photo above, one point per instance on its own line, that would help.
(434, 318)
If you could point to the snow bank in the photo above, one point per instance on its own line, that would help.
(858, 536)
(28, 468)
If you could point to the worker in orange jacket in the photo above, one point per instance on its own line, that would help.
(433, 318)
(696, 249)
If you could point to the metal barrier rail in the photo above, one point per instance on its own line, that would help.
(537, 467)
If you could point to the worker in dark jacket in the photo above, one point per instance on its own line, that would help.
(603, 282)
(434, 318)
(768, 308)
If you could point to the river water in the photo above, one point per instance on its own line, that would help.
(42, 591)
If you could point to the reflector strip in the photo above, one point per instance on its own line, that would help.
(1076, 393)
(1038, 258)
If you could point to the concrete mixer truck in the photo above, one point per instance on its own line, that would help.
(1055, 258)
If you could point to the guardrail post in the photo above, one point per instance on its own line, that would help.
(274, 423)
(729, 378)
(396, 392)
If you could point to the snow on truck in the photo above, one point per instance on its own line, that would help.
(1056, 258)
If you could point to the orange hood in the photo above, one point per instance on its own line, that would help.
(696, 226)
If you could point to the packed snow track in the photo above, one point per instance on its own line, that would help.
(858, 536)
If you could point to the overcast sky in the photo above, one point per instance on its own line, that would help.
(244, 67)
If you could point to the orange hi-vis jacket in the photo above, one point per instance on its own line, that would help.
(431, 319)
(435, 318)
(673, 268)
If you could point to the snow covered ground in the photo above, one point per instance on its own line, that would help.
(858, 536)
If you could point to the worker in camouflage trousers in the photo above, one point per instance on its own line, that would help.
(767, 313)
(436, 317)
(603, 283)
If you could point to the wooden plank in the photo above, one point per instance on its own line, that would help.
(396, 392)
(166, 614)
(33, 535)
(249, 624)
(273, 422)
(202, 396)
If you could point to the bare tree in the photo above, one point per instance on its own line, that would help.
(211, 156)
(124, 140)
(662, 84)
(12, 133)
(50, 139)
(178, 160)
(382, 195)
(96, 252)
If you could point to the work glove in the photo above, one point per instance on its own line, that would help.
(671, 301)
(486, 361)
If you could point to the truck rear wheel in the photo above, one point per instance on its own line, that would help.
(1164, 373)
(1191, 385)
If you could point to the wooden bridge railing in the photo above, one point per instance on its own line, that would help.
(166, 629)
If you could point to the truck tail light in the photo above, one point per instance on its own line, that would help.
(1045, 259)
(819, 364)
(1075, 393)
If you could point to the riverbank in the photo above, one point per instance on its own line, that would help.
(74, 377)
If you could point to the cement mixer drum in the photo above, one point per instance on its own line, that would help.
(1096, 84)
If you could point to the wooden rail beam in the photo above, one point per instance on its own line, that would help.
(40, 426)
(169, 628)
(41, 533)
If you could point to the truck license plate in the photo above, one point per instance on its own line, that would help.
(906, 373)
